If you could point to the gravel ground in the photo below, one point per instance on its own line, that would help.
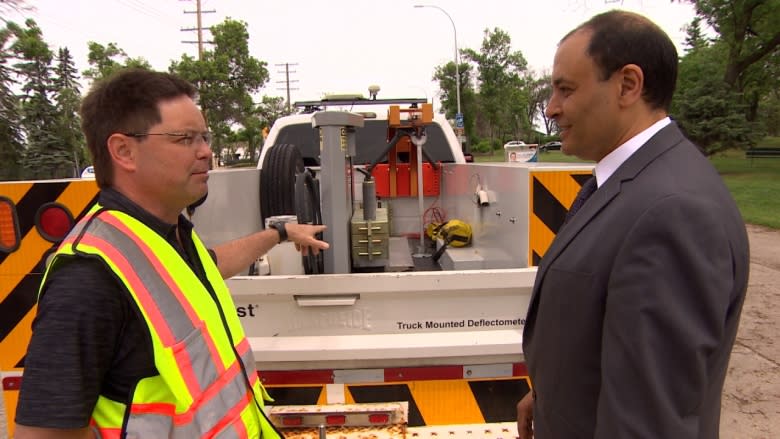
(751, 397)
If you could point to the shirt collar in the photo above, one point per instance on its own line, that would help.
(609, 164)
(112, 199)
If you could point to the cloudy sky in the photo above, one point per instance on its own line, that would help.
(337, 46)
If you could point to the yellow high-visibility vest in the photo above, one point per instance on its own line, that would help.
(207, 384)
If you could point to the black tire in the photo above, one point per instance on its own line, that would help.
(277, 180)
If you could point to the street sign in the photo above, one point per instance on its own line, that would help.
(459, 120)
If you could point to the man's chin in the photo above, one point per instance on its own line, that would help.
(192, 206)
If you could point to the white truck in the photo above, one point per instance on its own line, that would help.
(406, 306)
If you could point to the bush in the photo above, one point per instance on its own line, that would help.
(483, 146)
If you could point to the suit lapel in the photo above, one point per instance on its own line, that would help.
(663, 140)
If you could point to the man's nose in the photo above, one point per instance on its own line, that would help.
(552, 109)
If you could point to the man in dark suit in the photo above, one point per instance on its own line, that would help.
(637, 301)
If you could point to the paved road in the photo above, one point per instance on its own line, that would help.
(751, 397)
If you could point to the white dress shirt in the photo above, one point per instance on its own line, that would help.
(609, 164)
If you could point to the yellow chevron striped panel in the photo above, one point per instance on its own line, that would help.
(21, 269)
(551, 194)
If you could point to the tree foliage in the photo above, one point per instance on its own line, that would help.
(501, 79)
(694, 38)
(226, 77)
(540, 92)
(750, 29)
(770, 115)
(270, 109)
(445, 74)
(45, 156)
(67, 101)
(10, 133)
(711, 113)
(501, 98)
(724, 83)
(264, 114)
(106, 60)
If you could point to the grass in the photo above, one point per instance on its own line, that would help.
(755, 186)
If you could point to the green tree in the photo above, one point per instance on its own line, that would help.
(68, 98)
(270, 109)
(11, 148)
(105, 60)
(770, 116)
(767, 102)
(251, 135)
(694, 38)
(750, 29)
(445, 75)
(540, 92)
(711, 112)
(226, 78)
(45, 156)
(745, 56)
(502, 95)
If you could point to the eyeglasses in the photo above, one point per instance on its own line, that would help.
(185, 138)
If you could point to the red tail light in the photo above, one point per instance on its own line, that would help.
(380, 418)
(12, 383)
(53, 221)
(335, 419)
(291, 421)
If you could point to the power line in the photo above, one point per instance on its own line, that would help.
(141, 10)
(160, 13)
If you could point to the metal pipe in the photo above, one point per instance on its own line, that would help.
(369, 200)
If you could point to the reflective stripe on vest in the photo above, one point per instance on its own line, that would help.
(202, 390)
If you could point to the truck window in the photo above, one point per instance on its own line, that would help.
(370, 141)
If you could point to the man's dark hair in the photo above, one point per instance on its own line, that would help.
(126, 102)
(619, 38)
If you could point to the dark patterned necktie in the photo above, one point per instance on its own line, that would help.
(585, 192)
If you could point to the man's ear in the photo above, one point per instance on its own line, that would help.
(123, 151)
(632, 81)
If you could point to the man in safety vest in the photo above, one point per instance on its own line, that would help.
(136, 334)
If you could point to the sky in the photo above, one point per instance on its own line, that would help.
(337, 46)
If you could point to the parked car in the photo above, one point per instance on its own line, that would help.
(514, 143)
(89, 172)
(551, 146)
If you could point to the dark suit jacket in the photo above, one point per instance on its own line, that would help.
(637, 301)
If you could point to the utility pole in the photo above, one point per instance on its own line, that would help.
(287, 81)
(199, 28)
